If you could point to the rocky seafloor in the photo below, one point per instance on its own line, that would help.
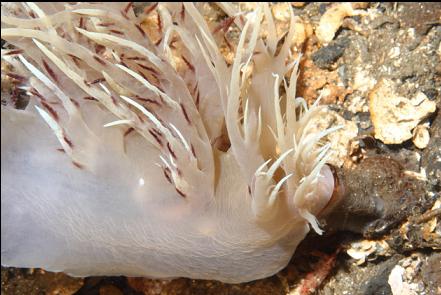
(380, 72)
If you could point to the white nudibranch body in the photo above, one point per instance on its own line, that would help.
(113, 168)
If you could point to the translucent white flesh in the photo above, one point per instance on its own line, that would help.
(159, 200)
(102, 222)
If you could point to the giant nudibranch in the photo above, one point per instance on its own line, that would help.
(113, 168)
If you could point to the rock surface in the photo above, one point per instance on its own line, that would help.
(394, 117)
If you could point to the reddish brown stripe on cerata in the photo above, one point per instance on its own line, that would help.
(140, 118)
(173, 43)
(61, 150)
(159, 41)
(161, 89)
(124, 14)
(142, 75)
(68, 141)
(158, 17)
(78, 165)
(50, 71)
(34, 91)
(50, 110)
(156, 137)
(12, 52)
(108, 24)
(128, 131)
(114, 100)
(182, 12)
(73, 56)
(98, 59)
(189, 65)
(192, 150)
(116, 32)
(124, 64)
(75, 102)
(90, 98)
(140, 30)
(135, 58)
(149, 100)
(242, 19)
(99, 48)
(167, 174)
(149, 9)
(198, 99)
(128, 6)
(185, 113)
(156, 131)
(195, 88)
(99, 80)
(75, 59)
(150, 69)
(81, 25)
(180, 193)
(16, 77)
(172, 153)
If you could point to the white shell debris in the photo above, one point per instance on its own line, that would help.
(398, 286)
(403, 277)
(431, 225)
(363, 81)
(368, 250)
(395, 117)
(333, 18)
(421, 136)
(430, 229)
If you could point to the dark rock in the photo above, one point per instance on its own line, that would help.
(378, 284)
(421, 16)
(432, 154)
(322, 8)
(342, 73)
(363, 120)
(110, 290)
(431, 93)
(383, 20)
(377, 196)
(138, 7)
(431, 273)
(36, 282)
(326, 56)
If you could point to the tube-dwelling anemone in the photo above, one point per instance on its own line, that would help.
(114, 168)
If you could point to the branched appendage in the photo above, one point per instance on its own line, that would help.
(283, 162)
(88, 54)
(84, 55)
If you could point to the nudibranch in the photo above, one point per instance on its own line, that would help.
(156, 158)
